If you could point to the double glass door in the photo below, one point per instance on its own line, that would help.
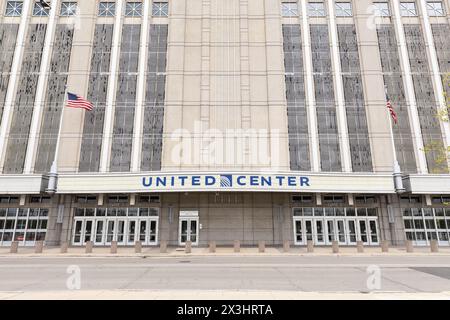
(126, 231)
(347, 231)
(188, 230)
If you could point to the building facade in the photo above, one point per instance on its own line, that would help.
(226, 120)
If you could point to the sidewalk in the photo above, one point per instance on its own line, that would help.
(187, 295)
(220, 251)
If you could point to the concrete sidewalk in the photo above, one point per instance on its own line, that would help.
(220, 251)
(216, 295)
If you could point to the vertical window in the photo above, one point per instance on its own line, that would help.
(435, 9)
(14, 8)
(68, 9)
(381, 9)
(408, 9)
(343, 9)
(160, 9)
(106, 9)
(39, 10)
(133, 9)
(316, 9)
(289, 9)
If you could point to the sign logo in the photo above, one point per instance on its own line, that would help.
(226, 181)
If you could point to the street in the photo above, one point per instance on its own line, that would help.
(409, 274)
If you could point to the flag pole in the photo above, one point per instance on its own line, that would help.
(397, 172)
(53, 174)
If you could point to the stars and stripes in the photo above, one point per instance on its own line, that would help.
(390, 107)
(75, 101)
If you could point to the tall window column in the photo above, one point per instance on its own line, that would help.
(409, 88)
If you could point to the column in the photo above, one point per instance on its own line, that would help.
(435, 76)
(110, 98)
(409, 89)
(310, 94)
(339, 90)
(140, 91)
(15, 73)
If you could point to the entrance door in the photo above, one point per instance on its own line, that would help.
(309, 229)
(77, 232)
(373, 230)
(319, 232)
(330, 236)
(110, 226)
(362, 224)
(340, 231)
(188, 230)
(88, 230)
(351, 231)
(131, 234)
(298, 232)
(120, 231)
(99, 238)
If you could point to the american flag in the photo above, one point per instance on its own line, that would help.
(391, 110)
(75, 101)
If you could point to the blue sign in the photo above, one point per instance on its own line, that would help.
(226, 181)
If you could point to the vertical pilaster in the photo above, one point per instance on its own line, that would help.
(339, 90)
(39, 101)
(435, 73)
(12, 83)
(409, 88)
(140, 93)
(110, 98)
(310, 95)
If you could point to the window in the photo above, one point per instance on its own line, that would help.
(14, 8)
(118, 199)
(86, 199)
(435, 8)
(333, 199)
(365, 199)
(381, 9)
(39, 199)
(106, 9)
(68, 9)
(410, 199)
(289, 9)
(160, 9)
(149, 199)
(133, 9)
(39, 10)
(302, 199)
(343, 9)
(316, 9)
(8, 199)
(408, 9)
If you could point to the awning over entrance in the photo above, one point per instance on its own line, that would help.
(427, 184)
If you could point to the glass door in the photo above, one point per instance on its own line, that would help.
(88, 230)
(319, 232)
(120, 231)
(330, 231)
(188, 231)
(153, 232)
(77, 232)
(373, 231)
(309, 230)
(341, 232)
(298, 232)
(351, 231)
(363, 236)
(99, 232)
(131, 232)
(110, 226)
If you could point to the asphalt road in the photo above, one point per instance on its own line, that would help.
(296, 273)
